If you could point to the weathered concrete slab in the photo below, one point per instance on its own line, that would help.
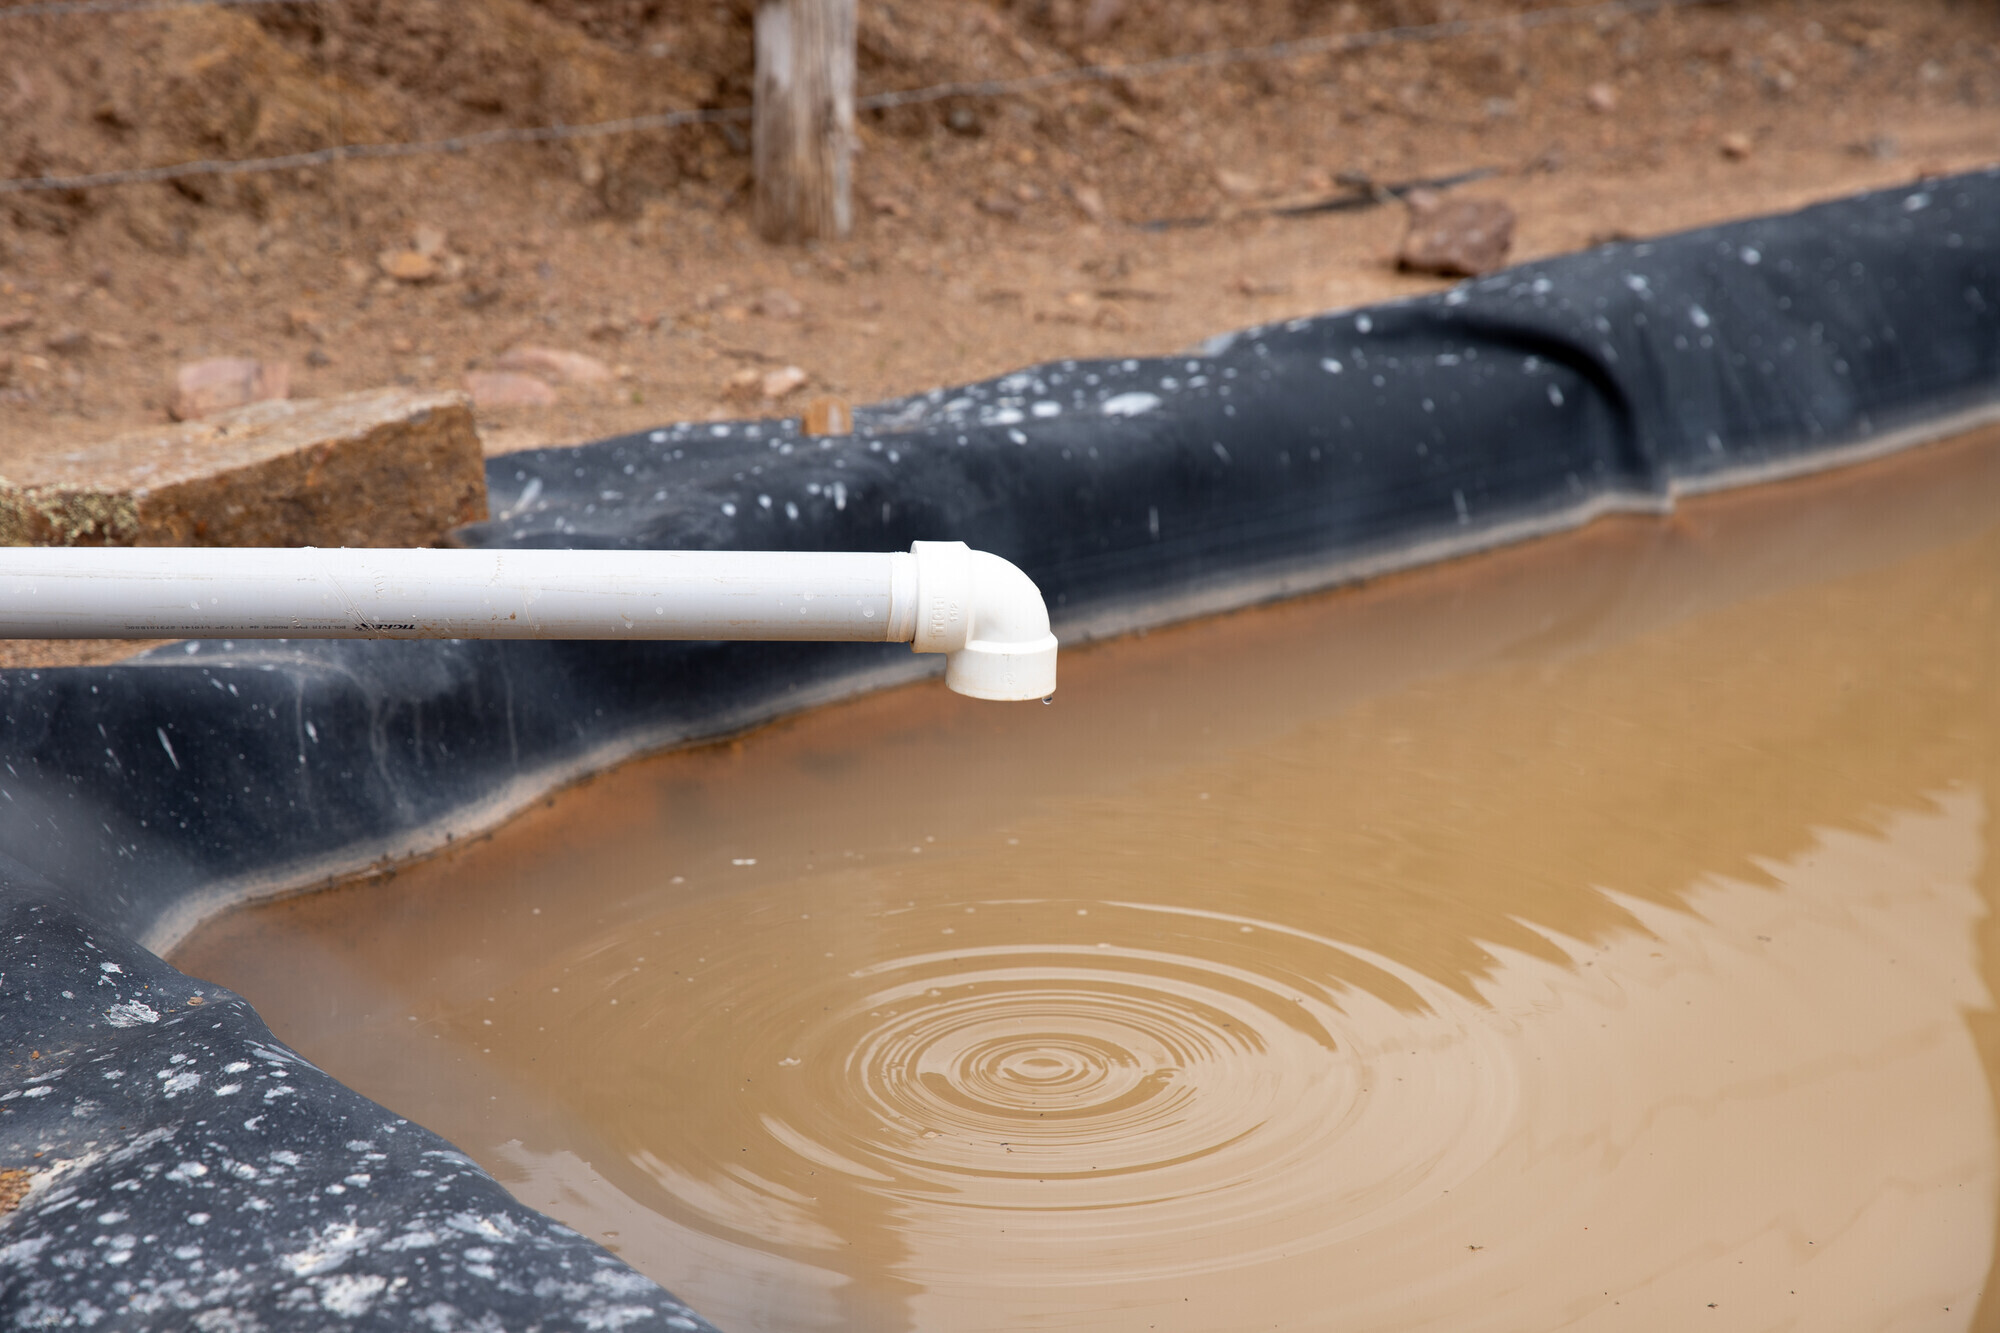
(390, 467)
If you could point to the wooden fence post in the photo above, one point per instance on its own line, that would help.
(803, 135)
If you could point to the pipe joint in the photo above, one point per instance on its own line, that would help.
(989, 620)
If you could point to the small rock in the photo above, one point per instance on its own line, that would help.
(1456, 237)
(69, 342)
(1236, 184)
(13, 321)
(556, 365)
(304, 322)
(890, 205)
(318, 358)
(427, 240)
(782, 381)
(828, 416)
(777, 303)
(203, 388)
(412, 266)
(402, 345)
(744, 385)
(1736, 145)
(1101, 18)
(1602, 98)
(1250, 286)
(502, 388)
(1088, 200)
(1000, 205)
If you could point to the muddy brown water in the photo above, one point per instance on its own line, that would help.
(1598, 934)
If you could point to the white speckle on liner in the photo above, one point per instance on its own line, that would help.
(1220, 452)
(1363, 324)
(168, 746)
(335, 1244)
(312, 733)
(1458, 503)
(658, 437)
(728, 510)
(1698, 317)
(1331, 366)
(1916, 203)
(1637, 282)
(840, 495)
(130, 1014)
(791, 511)
(1129, 404)
(350, 1294)
(1555, 395)
(764, 501)
(179, 1084)
(718, 431)
(109, 967)
(197, 1219)
(1750, 255)
(229, 1089)
(1006, 416)
(43, 1091)
(1017, 437)
(236, 1067)
(1046, 409)
(1714, 443)
(187, 1171)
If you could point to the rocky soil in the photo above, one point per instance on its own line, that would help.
(606, 284)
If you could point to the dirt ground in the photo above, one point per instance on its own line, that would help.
(990, 232)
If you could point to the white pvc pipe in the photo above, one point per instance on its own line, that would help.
(978, 609)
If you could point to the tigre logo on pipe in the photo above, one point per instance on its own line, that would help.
(942, 613)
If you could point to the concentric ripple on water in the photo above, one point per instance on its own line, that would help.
(1149, 1102)
(1589, 936)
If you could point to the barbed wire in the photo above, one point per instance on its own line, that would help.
(1330, 44)
(43, 8)
(351, 152)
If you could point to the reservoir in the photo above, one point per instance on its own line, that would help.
(1594, 934)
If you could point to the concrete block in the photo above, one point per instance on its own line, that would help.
(390, 467)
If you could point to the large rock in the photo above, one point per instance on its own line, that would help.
(391, 467)
(1456, 238)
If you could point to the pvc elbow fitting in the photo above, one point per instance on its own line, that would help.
(987, 618)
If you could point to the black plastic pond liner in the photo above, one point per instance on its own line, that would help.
(137, 799)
